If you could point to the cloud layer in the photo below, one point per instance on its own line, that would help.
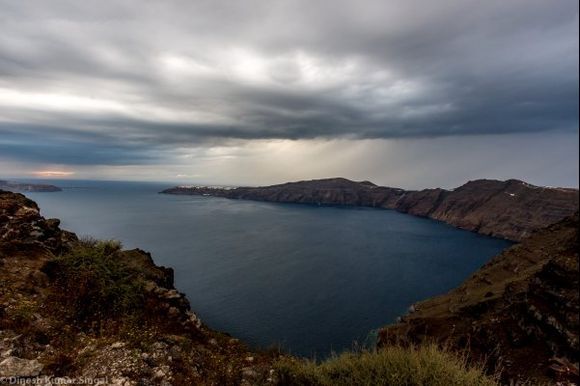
(129, 82)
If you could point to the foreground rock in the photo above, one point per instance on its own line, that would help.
(24, 187)
(507, 209)
(88, 310)
(518, 312)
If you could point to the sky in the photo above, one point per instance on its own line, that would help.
(406, 93)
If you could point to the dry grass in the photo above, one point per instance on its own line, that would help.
(394, 365)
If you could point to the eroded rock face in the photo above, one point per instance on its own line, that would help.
(507, 209)
(510, 209)
(520, 310)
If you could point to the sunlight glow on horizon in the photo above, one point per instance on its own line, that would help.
(53, 173)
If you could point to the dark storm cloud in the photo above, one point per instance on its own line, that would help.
(121, 82)
(61, 146)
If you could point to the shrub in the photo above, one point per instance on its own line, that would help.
(93, 284)
(394, 365)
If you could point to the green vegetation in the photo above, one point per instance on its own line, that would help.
(95, 284)
(394, 365)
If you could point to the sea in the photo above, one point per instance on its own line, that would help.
(310, 280)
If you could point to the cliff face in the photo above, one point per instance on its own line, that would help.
(510, 209)
(88, 309)
(507, 209)
(519, 311)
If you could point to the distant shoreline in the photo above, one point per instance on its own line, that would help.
(20, 187)
(489, 207)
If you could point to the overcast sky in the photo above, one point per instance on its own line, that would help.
(404, 93)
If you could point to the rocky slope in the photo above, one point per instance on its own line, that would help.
(520, 310)
(508, 209)
(24, 187)
(86, 310)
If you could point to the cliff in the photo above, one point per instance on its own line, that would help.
(25, 187)
(507, 209)
(518, 312)
(86, 309)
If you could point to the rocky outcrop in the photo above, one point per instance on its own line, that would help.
(21, 223)
(507, 209)
(25, 187)
(87, 311)
(519, 312)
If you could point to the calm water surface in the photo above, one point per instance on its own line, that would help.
(311, 279)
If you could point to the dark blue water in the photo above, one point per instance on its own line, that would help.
(312, 279)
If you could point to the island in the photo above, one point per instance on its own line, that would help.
(12, 186)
